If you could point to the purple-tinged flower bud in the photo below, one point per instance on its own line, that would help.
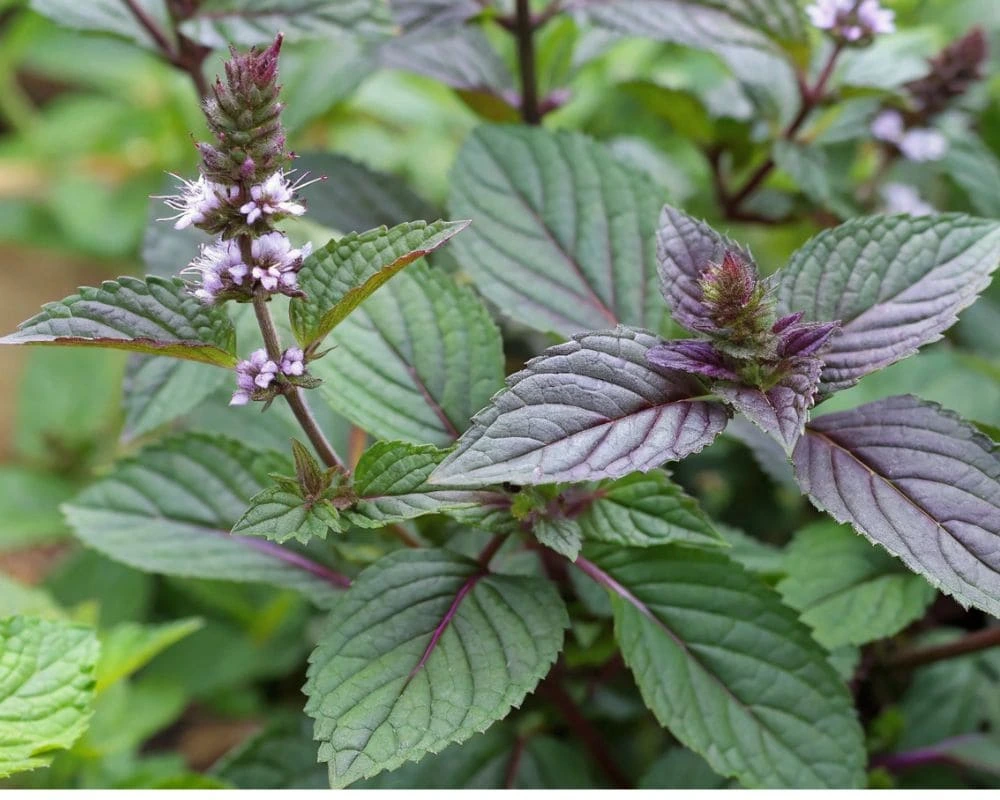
(293, 362)
(787, 322)
(735, 300)
(923, 144)
(952, 72)
(888, 126)
(199, 203)
(253, 378)
(221, 271)
(851, 21)
(276, 263)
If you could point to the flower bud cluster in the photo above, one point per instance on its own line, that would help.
(257, 378)
(852, 21)
(915, 143)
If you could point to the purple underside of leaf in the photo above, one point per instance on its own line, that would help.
(782, 410)
(692, 355)
(685, 247)
(589, 409)
(917, 480)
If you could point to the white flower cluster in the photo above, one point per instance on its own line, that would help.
(259, 372)
(201, 201)
(222, 269)
(851, 20)
(916, 144)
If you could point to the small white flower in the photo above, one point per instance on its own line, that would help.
(198, 200)
(851, 20)
(257, 372)
(888, 126)
(901, 198)
(274, 196)
(875, 19)
(276, 262)
(923, 144)
(220, 267)
(293, 362)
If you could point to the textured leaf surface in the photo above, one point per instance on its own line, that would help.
(731, 671)
(391, 484)
(461, 57)
(217, 23)
(105, 15)
(426, 649)
(895, 283)
(170, 509)
(155, 316)
(411, 14)
(129, 646)
(588, 409)
(917, 480)
(282, 756)
(279, 514)
(340, 276)
(159, 390)
(46, 688)
(646, 510)
(563, 233)
(415, 361)
(848, 591)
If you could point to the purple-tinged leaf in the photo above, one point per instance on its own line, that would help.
(782, 410)
(588, 409)
(692, 355)
(805, 338)
(685, 248)
(917, 480)
(894, 282)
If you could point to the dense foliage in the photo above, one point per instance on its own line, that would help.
(715, 528)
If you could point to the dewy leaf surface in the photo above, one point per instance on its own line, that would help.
(425, 649)
(340, 276)
(588, 409)
(156, 315)
(729, 669)
(46, 688)
(917, 480)
(869, 595)
(563, 233)
(894, 282)
(170, 508)
(415, 361)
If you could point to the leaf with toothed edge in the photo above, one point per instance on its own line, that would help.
(729, 669)
(169, 509)
(895, 283)
(588, 409)
(337, 278)
(563, 233)
(415, 361)
(158, 316)
(425, 649)
(279, 514)
(917, 480)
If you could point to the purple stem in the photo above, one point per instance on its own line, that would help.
(294, 559)
(933, 754)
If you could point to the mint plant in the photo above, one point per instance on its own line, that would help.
(503, 569)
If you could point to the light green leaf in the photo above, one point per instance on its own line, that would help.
(391, 485)
(157, 316)
(642, 510)
(870, 595)
(46, 689)
(415, 361)
(730, 670)
(425, 649)
(29, 506)
(18, 599)
(339, 277)
(279, 514)
(129, 646)
(563, 233)
(170, 508)
(217, 23)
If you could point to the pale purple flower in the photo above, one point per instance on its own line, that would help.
(276, 262)
(220, 268)
(292, 362)
(888, 126)
(923, 144)
(257, 372)
(198, 200)
(901, 198)
(851, 20)
(275, 196)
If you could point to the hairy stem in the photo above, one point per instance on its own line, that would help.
(292, 393)
(971, 643)
(524, 31)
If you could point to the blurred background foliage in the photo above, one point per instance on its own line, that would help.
(90, 125)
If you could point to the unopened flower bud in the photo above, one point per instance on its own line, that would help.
(851, 21)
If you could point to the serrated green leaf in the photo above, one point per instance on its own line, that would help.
(563, 238)
(279, 514)
(218, 23)
(46, 689)
(158, 391)
(282, 756)
(156, 315)
(391, 485)
(129, 646)
(18, 599)
(643, 510)
(730, 670)
(681, 769)
(870, 595)
(339, 277)
(561, 535)
(426, 649)
(170, 508)
(415, 361)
